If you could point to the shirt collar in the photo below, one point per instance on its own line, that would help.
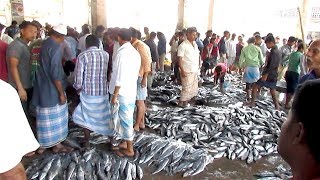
(92, 47)
(19, 39)
(135, 42)
(125, 45)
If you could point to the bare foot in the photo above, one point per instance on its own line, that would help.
(122, 145)
(125, 152)
(136, 127)
(142, 126)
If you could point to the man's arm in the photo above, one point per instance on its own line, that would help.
(79, 74)
(145, 63)
(56, 74)
(13, 66)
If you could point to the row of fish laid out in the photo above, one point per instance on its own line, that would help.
(91, 164)
(158, 153)
(281, 173)
(234, 132)
(170, 155)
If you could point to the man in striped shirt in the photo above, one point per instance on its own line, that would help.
(93, 113)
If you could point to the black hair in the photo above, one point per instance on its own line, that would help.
(92, 40)
(14, 22)
(25, 24)
(256, 33)
(125, 34)
(209, 31)
(99, 29)
(257, 36)
(300, 41)
(39, 25)
(218, 69)
(134, 32)
(226, 32)
(153, 34)
(181, 33)
(307, 113)
(85, 29)
(191, 30)
(269, 34)
(139, 35)
(292, 39)
(270, 39)
(300, 46)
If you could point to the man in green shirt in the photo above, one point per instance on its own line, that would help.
(293, 73)
(251, 60)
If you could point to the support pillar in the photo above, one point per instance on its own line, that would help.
(210, 16)
(304, 19)
(98, 13)
(181, 23)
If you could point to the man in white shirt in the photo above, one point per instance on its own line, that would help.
(189, 60)
(123, 87)
(4, 37)
(16, 136)
(231, 50)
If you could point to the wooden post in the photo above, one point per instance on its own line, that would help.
(98, 13)
(210, 16)
(303, 18)
(180, 24)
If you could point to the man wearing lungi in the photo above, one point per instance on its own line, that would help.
(93, 113)
(49, 95)
(123, 87)
(189, 60)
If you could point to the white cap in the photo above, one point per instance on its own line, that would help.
(60, 29)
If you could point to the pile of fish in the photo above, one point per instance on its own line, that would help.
(234, 132)
(280, 173)
(91, 164)
(170, 155)
(156, 152)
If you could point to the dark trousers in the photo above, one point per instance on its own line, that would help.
(26, 104)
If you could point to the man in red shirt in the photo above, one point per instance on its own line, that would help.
(3, 63)
(298, 143)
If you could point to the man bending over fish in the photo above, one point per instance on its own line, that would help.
(219, 73)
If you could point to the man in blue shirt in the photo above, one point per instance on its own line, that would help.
(314, 55)
(49, 94)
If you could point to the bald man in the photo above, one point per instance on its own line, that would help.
(313, 54)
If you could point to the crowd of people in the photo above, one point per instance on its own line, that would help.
(112, 70)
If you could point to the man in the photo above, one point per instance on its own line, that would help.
(146, 32)
(222, 46)
(231, 51)
(123, 87)
(99, 33)
(206, 41)
(19, 65)
(286, 50)
(4, 37)
(251, 60)
(16, 136)
(93, 112)
(12, 30)
(239, 48)
(293, 73)
(35, 47)
(313, 54)
(269, 73)
(162, 50)
(199, 43)
(154, 55)
(72, 42)
(298, 143)
(261, 44)
(49, 96)
(145, 69)
(188, 58)
(108, 43)
(174, 49)
(82, 40)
